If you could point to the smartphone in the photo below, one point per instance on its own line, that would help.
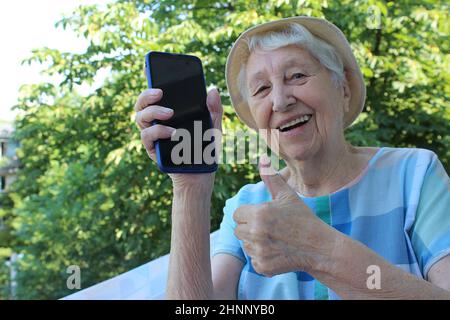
(181, 77)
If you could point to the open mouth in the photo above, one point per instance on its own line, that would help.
(295, 123)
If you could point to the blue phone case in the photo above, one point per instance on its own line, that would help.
(175, 169)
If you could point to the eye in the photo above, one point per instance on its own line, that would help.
(261, 89)
(298, 75)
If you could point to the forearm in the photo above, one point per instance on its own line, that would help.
(348, 275)
(190, 265)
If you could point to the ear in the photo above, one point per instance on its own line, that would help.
(347, 94)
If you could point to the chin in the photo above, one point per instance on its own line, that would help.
(298, 153)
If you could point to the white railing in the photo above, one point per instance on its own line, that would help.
(147, 282)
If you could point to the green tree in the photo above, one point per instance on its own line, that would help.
(6, 244)
(88, 195)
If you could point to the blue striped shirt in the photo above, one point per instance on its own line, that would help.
(399, 207)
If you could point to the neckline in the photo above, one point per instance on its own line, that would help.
(356, 180)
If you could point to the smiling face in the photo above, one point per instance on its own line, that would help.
(289, 90)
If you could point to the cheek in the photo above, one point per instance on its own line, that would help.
(323, 101)
(261, 112)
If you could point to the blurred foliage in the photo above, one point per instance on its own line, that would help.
(88, 195)
(6, 244)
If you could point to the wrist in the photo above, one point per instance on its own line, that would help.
(333, 246)
(341, 260)
(192, 200)
(195, 183)
(192, 191)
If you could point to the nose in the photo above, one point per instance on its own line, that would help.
(282, 98)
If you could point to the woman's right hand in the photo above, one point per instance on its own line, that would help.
(147, 110)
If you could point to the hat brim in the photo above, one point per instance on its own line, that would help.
(320, 28)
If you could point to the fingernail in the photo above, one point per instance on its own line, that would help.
(166, 111)
(264, 160)
(154, 92)
(173, 132)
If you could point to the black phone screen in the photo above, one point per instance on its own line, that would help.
(182, 80)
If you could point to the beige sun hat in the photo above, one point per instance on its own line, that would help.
(320, 28)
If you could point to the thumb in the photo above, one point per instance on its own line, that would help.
(273, 180)
(215, 107)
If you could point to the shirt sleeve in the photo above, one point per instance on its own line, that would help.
(226, 241)
(430, 235)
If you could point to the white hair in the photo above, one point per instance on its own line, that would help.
(295, 34)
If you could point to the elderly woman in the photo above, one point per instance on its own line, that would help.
(338, 221)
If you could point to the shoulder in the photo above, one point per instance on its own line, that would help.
(409, 152)
(407, 169)
(399, 173)
(406, 158)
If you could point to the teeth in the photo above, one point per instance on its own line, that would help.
(304, 118)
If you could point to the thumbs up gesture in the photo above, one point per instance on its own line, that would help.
(283, 235)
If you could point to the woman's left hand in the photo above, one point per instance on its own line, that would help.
(283, 235)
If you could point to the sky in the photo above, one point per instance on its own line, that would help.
(26, 25)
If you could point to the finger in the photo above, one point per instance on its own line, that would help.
(242, 231)
(151, 134)
(144, 118)
(272, 179)
(147, 98)
(215, 107)
(256, 265)
(248, 248)
(242, 214)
